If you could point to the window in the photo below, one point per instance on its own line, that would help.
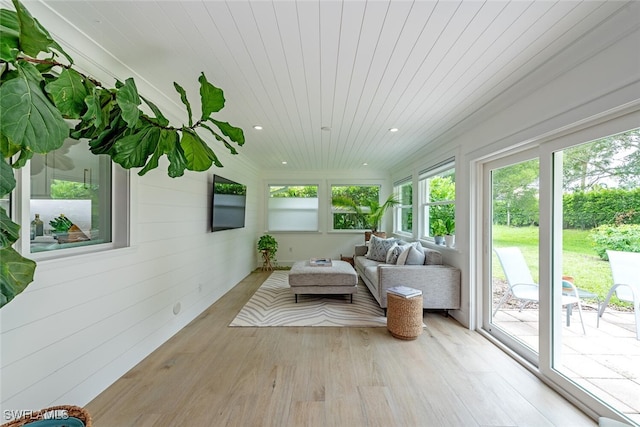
(292, 208)
(403, 222)
(350, 205)
(71, 198)
(437, 200)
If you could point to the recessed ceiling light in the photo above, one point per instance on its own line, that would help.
(257, 127)
(393, 130)
(365, 164)
(284, 162)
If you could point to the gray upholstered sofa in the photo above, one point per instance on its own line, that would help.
(440, 284)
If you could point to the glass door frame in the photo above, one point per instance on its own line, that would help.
(487, 243)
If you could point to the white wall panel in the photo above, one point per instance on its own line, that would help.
(87, 319)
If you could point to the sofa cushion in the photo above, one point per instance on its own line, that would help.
(411, 256)
(378, 248)
(432, 257)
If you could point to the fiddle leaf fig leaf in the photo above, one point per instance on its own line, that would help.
(233, 133)
(7, 179)
(28, 117)
(177, 162)
(166, 144)
(198, 154)
(133, 150)
(9, 230)
(161, 119)
(34, 38)
(16, 272)
(68, 93)
(93, 113)
(103, 143)
(10, 40)
(99, 104)
(185, 101)
(128, 100)
(7, 149)
(211, 97)
(25, 156)
(219, 138)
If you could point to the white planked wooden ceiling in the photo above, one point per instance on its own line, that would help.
(359, 68)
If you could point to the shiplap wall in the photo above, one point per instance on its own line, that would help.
(86, 320)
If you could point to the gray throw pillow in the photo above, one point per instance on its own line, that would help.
(394, 252)
(378, 248)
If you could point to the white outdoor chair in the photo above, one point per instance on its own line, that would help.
(523, 287)
(625, 268)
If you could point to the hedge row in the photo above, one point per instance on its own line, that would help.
(601, 207)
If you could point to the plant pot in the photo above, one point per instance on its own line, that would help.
(439, 240)
(380, 234)
(450, 240)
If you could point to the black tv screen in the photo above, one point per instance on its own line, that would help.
(228, 204)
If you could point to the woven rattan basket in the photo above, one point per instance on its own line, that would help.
(404, 316)
(67, 410)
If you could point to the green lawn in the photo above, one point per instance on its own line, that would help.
(579, 259)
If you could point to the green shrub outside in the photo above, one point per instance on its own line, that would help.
(625, 237)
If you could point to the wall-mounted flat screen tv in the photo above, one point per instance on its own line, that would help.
(229, 200)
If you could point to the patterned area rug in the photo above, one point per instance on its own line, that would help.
(274, 304)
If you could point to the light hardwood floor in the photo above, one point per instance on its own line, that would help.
(212, 375)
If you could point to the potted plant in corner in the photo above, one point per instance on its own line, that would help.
(371, 214)
(438, 230)
(268, 246)
(449, 237)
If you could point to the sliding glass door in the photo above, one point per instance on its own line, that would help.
(596, 209)
(512, 214)
(549, 217)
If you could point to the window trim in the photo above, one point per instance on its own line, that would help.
(423, 200)
(397, 211)
(351, 183)
(304, 183)
(120, 217)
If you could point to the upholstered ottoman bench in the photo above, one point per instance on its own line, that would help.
(339, 278)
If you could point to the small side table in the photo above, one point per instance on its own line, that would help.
(404, 316)
(266, 261)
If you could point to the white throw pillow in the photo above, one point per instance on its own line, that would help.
(411, 256)
(415, 257)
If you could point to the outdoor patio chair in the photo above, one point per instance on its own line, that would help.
(625, 268)
(523, 287)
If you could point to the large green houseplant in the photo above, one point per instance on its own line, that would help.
(371, 213)
(40, 90)
(268, 246)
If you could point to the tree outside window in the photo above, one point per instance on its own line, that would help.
(362, 196)
(438, 194)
